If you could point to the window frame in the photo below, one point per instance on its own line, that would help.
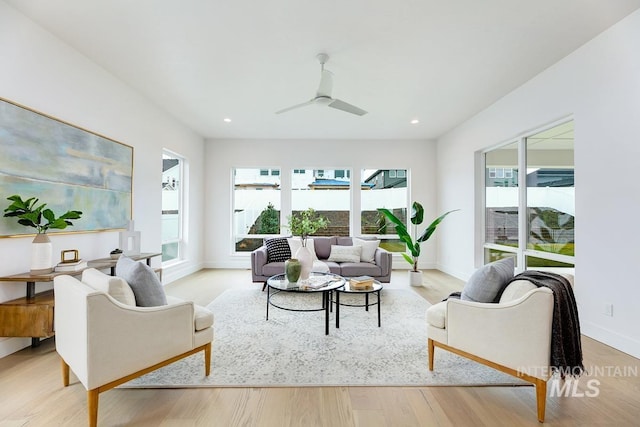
(182, 161)
(522, 251)
(287, 175)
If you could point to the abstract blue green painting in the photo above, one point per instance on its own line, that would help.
(67, 167)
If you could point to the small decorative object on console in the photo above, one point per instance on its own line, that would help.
(70, 261)
(361, 283)
(115, 254)
(130, 240)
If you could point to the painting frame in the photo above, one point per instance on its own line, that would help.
(65, 166)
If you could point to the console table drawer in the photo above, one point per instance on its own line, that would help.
(28, 318)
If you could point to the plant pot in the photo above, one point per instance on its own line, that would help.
(306, 262)
(41, 255)
(292, 269)
(415, 278)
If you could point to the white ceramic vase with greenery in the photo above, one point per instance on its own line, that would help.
(30, 215)
(304, 224)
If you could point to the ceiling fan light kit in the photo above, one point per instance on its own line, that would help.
(323, 94)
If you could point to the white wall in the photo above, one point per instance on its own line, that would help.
(599, 84)
(41, 72)
(223, 155)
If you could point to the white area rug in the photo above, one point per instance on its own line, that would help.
(291, 348)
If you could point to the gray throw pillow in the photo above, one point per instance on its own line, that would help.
(143, 281)
(489, 281)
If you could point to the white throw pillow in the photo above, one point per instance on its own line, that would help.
(368, 249)
(295, 243)
(345, 253)
(117, 287)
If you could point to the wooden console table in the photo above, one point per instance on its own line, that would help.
(32, 316)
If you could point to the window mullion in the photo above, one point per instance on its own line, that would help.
(523, 223)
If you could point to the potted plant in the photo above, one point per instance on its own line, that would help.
(304, 224)
(413, 243)
(30, 214)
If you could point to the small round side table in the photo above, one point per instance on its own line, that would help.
(377, 287)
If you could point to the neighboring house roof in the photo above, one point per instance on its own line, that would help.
(168, 164)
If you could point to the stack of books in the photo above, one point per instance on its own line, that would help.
(361, 283)
(75, 265)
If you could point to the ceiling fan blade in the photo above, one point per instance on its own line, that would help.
(326, 84)
(295, 106)
(341, 105)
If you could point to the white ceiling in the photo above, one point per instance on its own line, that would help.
(438, 61)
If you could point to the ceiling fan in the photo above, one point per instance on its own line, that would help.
(323, 94)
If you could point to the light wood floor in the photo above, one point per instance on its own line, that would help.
(31, 392)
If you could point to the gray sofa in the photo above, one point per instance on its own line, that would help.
(261, 270)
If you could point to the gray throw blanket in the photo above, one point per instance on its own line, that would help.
(566, 348)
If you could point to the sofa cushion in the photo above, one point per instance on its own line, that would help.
(487, 283)
(355, 269)
(345, 253)
(277, 249)
(322, 246)
(344, 241)
(202, 317)
(273, 268)
(334, 267)
(295, 243)
(117, 287)
(437, 315)
(143, 281)
(516, 289)
(368, 249)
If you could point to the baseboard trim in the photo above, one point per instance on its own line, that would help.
(624, 343)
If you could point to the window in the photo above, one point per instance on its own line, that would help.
(543, 164)
(260, 210)
(172, 209)
(256, 207)
(382, 190)
(550, 196)
(329, 197)
(501, 197)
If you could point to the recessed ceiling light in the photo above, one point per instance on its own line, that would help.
(226, 120)
(415, 121)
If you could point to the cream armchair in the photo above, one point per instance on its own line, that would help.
(107, 343)
(512, 336)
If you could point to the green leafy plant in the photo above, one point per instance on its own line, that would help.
(413, 243)
(269, 220)
(306, 223)
(30, 215)
(554, 230)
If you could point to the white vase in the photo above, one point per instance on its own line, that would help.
(41, 255)
(415, 278)
(306, 261)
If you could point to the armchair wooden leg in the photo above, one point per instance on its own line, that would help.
(65, 373)
(92, 406)
(207, 360)
(541, 398)
(430, 349)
